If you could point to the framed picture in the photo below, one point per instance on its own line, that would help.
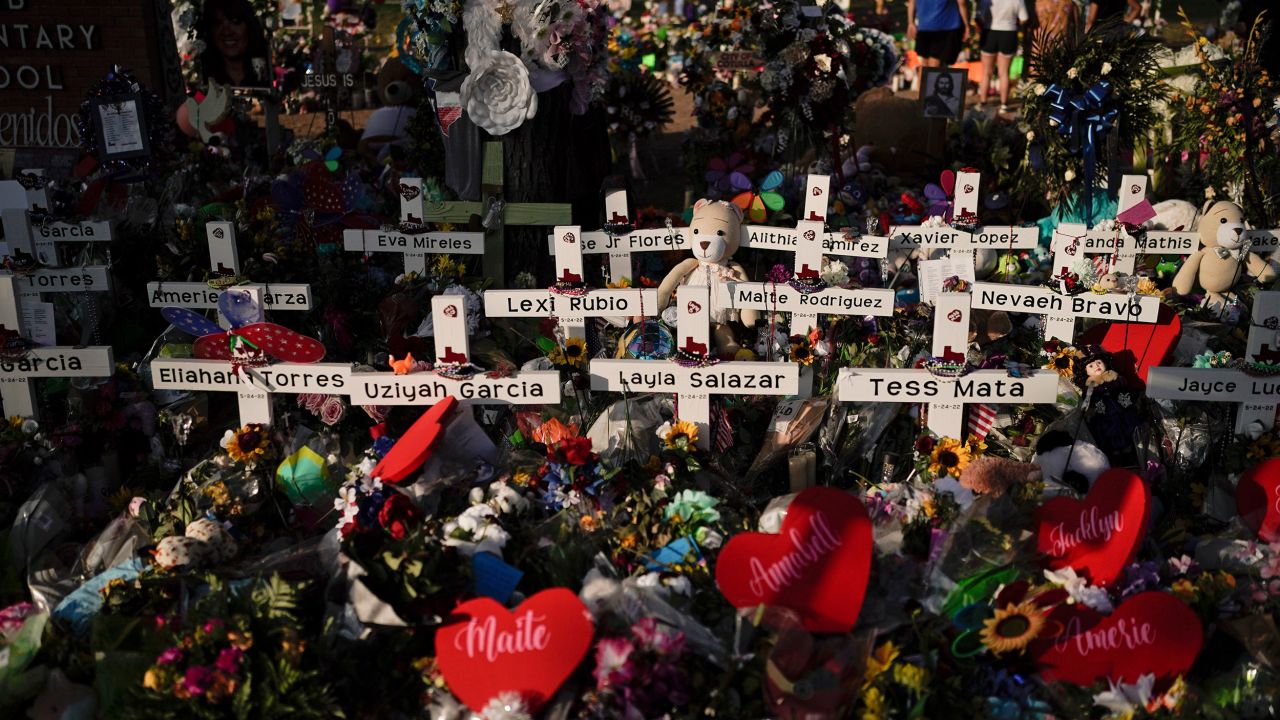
(122, 127)
(942, 92)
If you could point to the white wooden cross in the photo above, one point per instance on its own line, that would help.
(1258, 395)
(571, 310)
(805, 307)
(694, 386)
(449, 318)
(18, 369)
(416, 246)
(1061, 311)
(946, 396)
(224, 259)
(40, 243)
(963, 243)
(254, 390)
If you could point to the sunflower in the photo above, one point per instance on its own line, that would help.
(1012, 628)
(977, 446)
(683, 434)
(1064, 361)
(248, 444)
(574, 353)
(949, 457)
(800, 353)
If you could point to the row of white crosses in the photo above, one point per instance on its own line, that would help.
(449, 315)
(416, 246)
(20, 296)
(1258, 396)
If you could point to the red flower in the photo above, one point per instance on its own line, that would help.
(571, 451)
(397, 515)
(924, 445)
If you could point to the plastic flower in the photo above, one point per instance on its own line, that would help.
(613, 662)
(574, 353)
(1079, 589)
(553, 431)
(879, 661)
(248, 444)
(1012, 628)
(800, 353)
(693, 507)
(949, 457)
(977, 445)
(497, 95)
(198, 680)
(679, 435)
(1123, 700)
(1064, 361)
(911, 677)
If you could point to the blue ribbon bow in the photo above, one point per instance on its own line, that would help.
(1084, 120)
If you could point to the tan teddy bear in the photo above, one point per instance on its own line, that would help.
(1223, 256)
(715, 232)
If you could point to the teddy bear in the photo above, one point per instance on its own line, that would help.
(398, 89)
(714, 232)
(1223, 256)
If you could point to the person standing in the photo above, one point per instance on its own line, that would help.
(1100, 10)
(939, 28)
(998, 21)
(1049, 19)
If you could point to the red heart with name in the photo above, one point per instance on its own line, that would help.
(487, 650)
(1137, 346)
(1258, 499)
(1099, 535)
(818, 565)
(1150, 633)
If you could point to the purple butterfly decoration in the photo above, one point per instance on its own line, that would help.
(940, 196)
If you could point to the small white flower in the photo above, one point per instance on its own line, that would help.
(1072, 73)
(823, 62)
(1038, 89)
(680, 585)
(1106, 68)
(835, 273)
(1069, 175)
(1031, 135)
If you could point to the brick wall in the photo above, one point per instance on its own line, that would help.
(124, 32)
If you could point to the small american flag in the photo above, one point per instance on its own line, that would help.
(982, 418)
(724, 431)
(1101, 264)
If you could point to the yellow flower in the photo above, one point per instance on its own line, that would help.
(574, 353)
(800, 353)
(1064, 361)
(1184, 589)
(1012, 628)
(873, 704)
(949, 457)
(879, 661)
(588, 523)
(911, 677)
(622, 283)
(681, 429)
(249, 443)
(1147, 286)
(977, 446)
(15, 421)
(745, 354)
(154, 679)
(521, 478)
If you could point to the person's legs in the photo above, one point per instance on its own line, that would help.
(1005, 62)
(988, 69)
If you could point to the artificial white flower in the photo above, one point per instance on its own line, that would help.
(1031, 135)
(1106, 68)
(1079, 589)
(823, 62)
(1072, 73)
(1069, 175)
(506, 706)
(680, 585)
(835, 273)
(497, 95)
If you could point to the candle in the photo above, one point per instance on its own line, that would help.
(802, 462)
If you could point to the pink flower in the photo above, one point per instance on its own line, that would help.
(170, 657)
(213, 626)
(198, 679)
(332, 410)
(613, 662)
(657, 638)
(229, 660)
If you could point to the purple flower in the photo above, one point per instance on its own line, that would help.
(779, 273)
(198, 680)
(658, 639)
(613, 662)
(1139, 577)
(229, 660)
(171, 656)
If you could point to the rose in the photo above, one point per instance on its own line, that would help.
(332, 410)
(497, 94)
(397, 515)
(573, 451)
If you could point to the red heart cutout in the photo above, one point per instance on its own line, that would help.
(1099, 535)
(818, 565)
(1258, 499)
(1137, 346)
(1151, 632)
(529, 651)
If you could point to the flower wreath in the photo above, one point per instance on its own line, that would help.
(121, 83)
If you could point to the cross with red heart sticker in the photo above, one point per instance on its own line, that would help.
(486, 650)
(1258, 499)
(818, 565)
(1099, 535)
(1150, 633)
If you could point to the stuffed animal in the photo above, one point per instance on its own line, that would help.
(388, 125)
(1223, 256)
(715, 233)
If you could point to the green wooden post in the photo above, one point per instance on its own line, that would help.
(548, 214)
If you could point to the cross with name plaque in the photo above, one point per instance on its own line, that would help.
(569, 300)
(1258, 394)
(946, 394)
(414, 246)
(694, 374)
(454, 374)
(21, 361)
(224, 261)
